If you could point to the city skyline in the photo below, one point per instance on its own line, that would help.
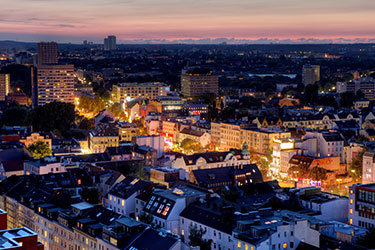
(167, 21)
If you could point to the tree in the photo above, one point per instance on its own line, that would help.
(39, 150)
(116, 109)
(196, 238)
(103, 93)
(52, 116)
(86, 124)
(191, 145)
(90, 105)
(347, 99)
(146, 218)
(140, 122)
(16, 116)
(91, 195)
(318, 174)
(299, 171)
(356, 165)
(311, 93)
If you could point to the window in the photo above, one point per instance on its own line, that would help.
(239, 244)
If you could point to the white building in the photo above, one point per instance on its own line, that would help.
(153, 141)
(368, 167)
(361, 205)
(188, 163)
(166, 206)
(46, 165)
(329, 207)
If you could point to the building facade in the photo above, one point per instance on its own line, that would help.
(55, 83)
(4, 86)
(196, 82)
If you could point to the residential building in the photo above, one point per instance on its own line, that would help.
(9, 168)
(127, 131)
(218, 223)
(129, 234)
(4, 86)
(209, 160)
(215, 178)
(47, 53)
(226, 136)
(329, 143)
(18, 97)
(329, 207)
(164, 176)
(166, 205)
(368, 167)
(32, 138)
(361, 103)
(153, 141)
(365, 84)
(280, 229)
(310, 74)
(121, 198)
(196, 82)
(123, 91)
(55, 83)
(331, 163)
(361, 211)
(203, 138)
(104, 136)
(47, 165)
(110, 43)
(283, 150)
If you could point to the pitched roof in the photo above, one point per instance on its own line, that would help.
(12, 166)
(210, 157)
(192, 132)
(206, 214)
(151, 239)
(226, 174)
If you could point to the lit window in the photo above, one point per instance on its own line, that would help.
(351, 211)
(239, 244)
(123, 203)
(351, 221)
(79, 181)
(182, 232)
(351, 201)
(285, 245)
(246, 247)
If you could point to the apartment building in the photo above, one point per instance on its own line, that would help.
(361, 211)
(196, 82)
(150, 90)
(226, 136)
(104, 136)
(55, 83)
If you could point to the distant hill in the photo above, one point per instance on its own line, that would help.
(18, 45)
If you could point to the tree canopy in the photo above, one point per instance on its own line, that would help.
(39, 150)
(54, 116)
(190, 145)
(16, 116)
(196, 238)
